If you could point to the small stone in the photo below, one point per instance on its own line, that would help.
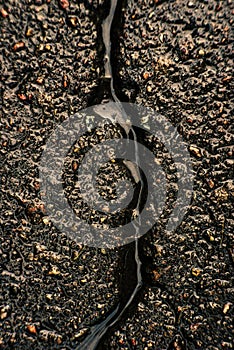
(40, 80)
(149, 89)
(226, 307)
(195, 271)
(40, 47)
(4, 13)
(22, 97)
(103, 251)
(32, 329)
(201, 52)
(19, 46)
(65, 82)
(3, 314)
(80, 333)
(64, 4)
(54, 271)
(145, 75)
(190, 4)
(74, 166)
(156, 275)
(161, 37)
(195, 150)
(73, 21)
(159, 249)
(211, 183)
(29, 32)
(47, 47)
(49, 297)
(46, 221)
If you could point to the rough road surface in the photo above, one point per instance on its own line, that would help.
(175, 57)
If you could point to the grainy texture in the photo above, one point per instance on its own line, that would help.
(179, 55)
(51, 288)
(175, 57)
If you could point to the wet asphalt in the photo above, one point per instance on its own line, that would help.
(175, 57)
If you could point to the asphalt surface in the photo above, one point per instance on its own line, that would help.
(175, 57)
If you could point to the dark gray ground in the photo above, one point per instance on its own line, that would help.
(175, 57)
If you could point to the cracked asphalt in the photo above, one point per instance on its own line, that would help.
(175, 57)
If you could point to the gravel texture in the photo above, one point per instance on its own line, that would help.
(175, 57)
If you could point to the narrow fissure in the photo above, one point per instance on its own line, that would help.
(131, 281)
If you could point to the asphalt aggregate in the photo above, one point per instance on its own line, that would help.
(175, 57)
